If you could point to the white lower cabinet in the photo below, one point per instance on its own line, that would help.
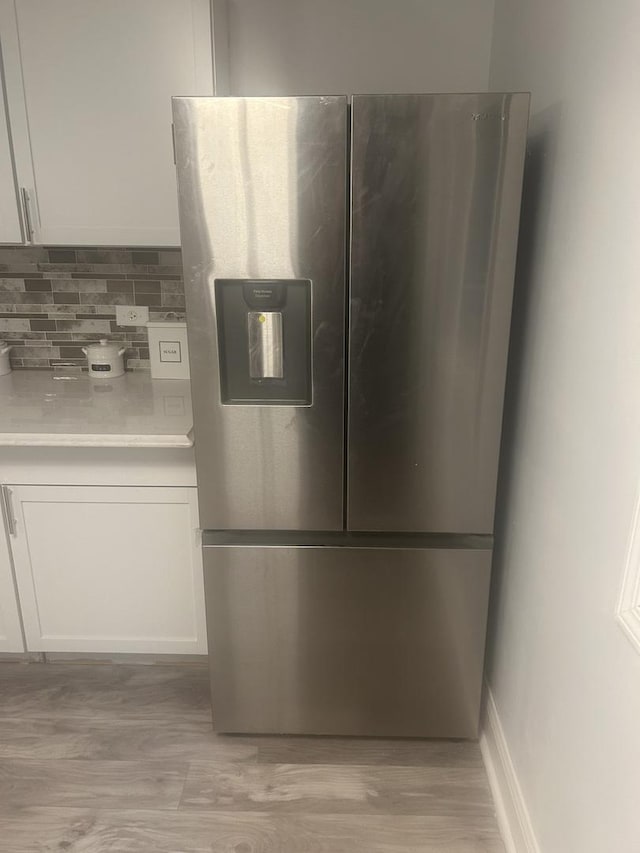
(10, 630)
(108, 568)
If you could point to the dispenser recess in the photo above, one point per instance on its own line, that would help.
(264, 341)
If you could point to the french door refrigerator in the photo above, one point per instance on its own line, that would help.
(349, 270)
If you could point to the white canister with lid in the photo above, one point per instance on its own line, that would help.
(5, 364)
(105, 359)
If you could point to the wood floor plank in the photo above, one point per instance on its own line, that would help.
(41, 737)
(104, 690)
(97, 784)
(181, 739)
(399, 752)
(45, 830)
(336, 789)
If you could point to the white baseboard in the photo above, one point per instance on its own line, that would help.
(511, 809)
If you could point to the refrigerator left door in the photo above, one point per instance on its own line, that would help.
(262, 196)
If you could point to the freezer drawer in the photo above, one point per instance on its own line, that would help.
(346, 641)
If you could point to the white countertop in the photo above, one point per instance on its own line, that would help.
(130, 411)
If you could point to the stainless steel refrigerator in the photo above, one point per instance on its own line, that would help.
(349, 269)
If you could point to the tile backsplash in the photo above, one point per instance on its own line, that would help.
(54, 301)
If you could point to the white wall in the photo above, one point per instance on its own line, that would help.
(306, 47)
(565, 679)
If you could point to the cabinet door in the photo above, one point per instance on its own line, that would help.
(10, 629)
(10, 226)
(98, 79)
(109, 569)
(16, 167)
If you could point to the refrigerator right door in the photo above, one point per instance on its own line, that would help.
(435, 191)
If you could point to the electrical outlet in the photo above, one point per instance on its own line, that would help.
(132, 315)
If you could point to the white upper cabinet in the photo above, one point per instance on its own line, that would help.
(89, 92)
(10, 227)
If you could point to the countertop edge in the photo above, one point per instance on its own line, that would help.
(94, 440)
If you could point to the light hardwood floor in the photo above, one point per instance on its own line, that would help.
(122, 759)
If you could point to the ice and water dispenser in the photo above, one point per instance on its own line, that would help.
(264, 341)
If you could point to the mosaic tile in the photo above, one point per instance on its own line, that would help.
(54, 300)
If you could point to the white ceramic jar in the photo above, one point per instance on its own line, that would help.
(105, 359)
(5, 364)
